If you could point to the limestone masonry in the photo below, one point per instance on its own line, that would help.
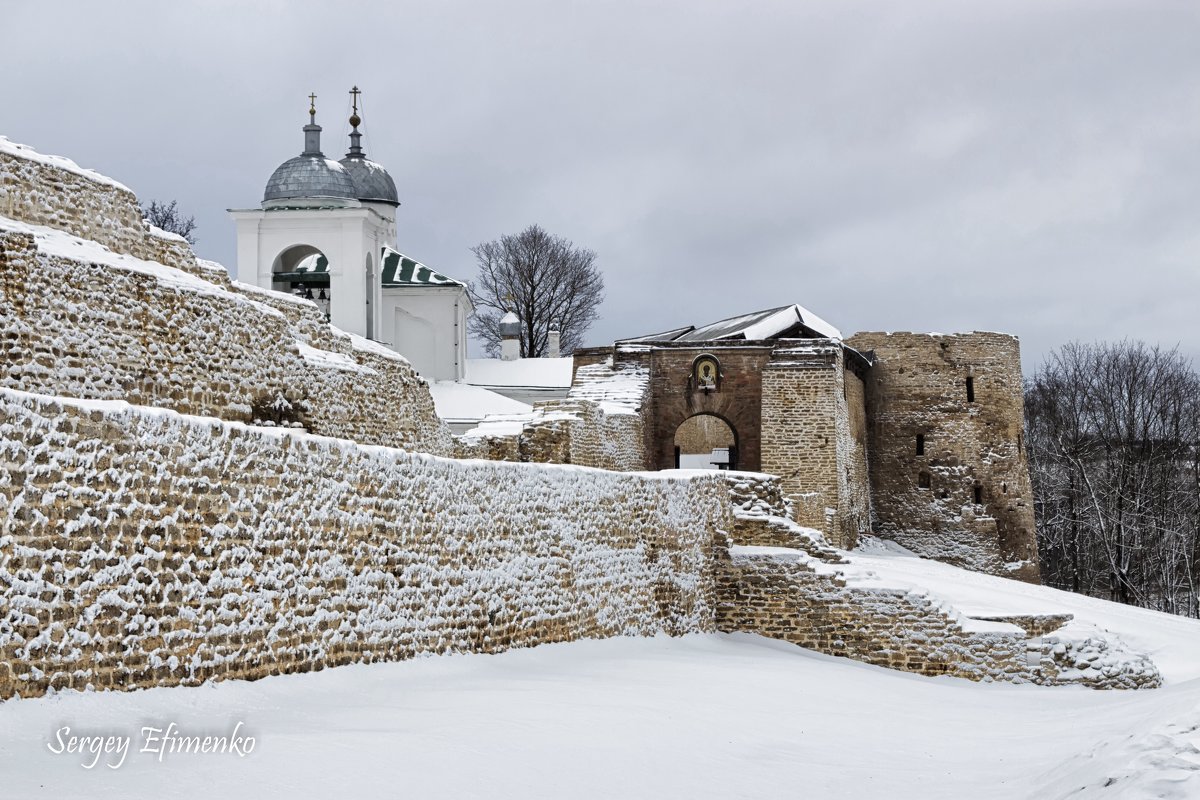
(201, 479)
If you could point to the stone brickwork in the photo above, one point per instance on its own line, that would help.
(144, 548)
(597, 425)
(671, 400)
(812, 438)
(972, 449)
(82, 322)
(786, 595)
(54, 192)
(560, 432)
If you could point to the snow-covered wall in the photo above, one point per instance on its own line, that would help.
(568, 431)
(127, 313)
(142, 547)
(80, 321)
(55, 192)
(783, 580)
(788, 594)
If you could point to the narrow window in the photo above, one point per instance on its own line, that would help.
(1004, 488)
(978, 495)
(970, 390)
(923, 481)
(920, 444)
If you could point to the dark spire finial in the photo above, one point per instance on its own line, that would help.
(312, 131)
(356, 150)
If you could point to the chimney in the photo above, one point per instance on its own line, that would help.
(552, 341)
(510, 337)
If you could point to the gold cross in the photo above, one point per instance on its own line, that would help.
(354, 93)
(312, 109)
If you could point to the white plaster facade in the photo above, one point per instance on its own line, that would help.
(273, 241)
(424, 322)
(428, 326)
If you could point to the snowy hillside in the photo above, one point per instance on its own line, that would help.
(703, 716)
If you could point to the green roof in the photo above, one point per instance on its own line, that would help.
(311, 269)
(400, 270)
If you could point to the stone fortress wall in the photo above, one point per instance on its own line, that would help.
(143, 545)
(782, 580)
(813, 423)
(597, 425)
(966, 498)
(146, 548)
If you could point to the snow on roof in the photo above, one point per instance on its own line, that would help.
(531, 373)
(664, 336)
(59, 162)
(769, 323)
(400, 270)
(461, 402)
(765, 324)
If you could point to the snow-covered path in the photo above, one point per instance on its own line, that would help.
(701, 716)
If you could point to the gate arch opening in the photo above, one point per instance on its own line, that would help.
(705, 441)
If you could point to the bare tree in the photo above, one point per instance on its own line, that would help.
(1113, 432)
(170, 219)
(545, 279)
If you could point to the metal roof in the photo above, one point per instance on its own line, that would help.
(372, 183)
(400, 270)
(310, 269)
(308, 176)
(794, 321)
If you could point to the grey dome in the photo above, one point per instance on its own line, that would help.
(310, 176)
(372, 183)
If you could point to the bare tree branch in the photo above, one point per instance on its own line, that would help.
(170, 219)
(545, 279)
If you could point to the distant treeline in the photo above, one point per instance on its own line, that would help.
(1113, 432)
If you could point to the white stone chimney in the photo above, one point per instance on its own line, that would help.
(510, 337)
(552, 341)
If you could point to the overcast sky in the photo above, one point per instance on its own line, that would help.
(1030, 167)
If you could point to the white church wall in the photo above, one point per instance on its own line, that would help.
(428, 327)
(346, 237)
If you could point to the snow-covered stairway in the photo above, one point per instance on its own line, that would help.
(786, 582)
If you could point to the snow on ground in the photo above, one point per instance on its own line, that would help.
(702, 716)
(462, 402)
(520, 372)
(1172, 642)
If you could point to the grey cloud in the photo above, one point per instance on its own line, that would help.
(1018, 166)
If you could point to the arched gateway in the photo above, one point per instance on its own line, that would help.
(705, 441)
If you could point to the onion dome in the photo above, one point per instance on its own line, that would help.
(310, 175)
(372, 183)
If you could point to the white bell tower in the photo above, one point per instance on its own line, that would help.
(326, 230)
